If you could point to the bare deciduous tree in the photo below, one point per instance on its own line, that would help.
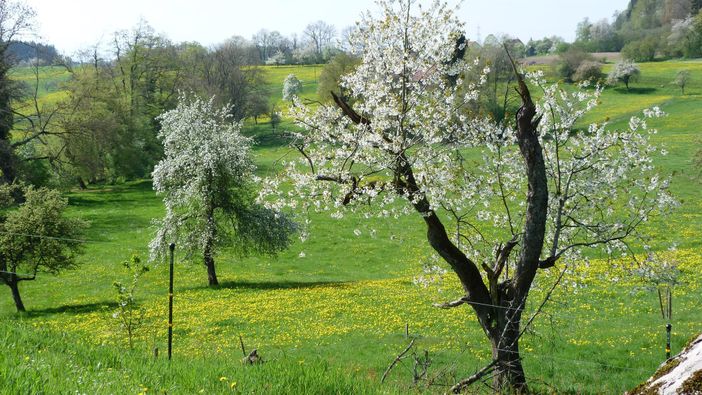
(320, 35)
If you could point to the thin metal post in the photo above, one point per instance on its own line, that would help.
(667, 340)
(170, 305)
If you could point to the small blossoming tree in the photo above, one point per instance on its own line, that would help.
(539, 195)
(291, 87)
(206, 179)
(625, 71)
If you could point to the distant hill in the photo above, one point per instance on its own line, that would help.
(647, 29)
(643, 17)
(24, 52)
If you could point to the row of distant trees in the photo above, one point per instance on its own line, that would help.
(646, 29)
(316, 44)
(104, 129)
(26, 53)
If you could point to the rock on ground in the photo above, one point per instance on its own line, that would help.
(680, 375)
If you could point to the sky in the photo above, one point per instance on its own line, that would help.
(72, 25)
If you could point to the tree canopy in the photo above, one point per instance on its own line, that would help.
(37, 237)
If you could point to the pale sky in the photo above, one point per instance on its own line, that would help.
(72, 25)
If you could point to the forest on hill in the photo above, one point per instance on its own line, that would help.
(646, 29)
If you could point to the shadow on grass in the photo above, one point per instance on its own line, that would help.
(111, 194)
(265, 137)
(72, 309)
(273, 285)
(79, 201)
(635, 90)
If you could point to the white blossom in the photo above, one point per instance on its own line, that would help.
(602, 184)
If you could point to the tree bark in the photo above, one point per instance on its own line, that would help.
(466, 270)
(211, 272)
(508, 375)
(14, 287)
(512, 294)
(7, 162)
(208, 251)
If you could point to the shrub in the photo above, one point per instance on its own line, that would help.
(588, 71)
(642, 50)
(570, 60)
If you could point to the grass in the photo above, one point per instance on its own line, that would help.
(330, 314)
(40, 362)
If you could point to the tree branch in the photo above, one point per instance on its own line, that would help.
(455, 303)
(350, 112)
(456, 389)
(397, 359)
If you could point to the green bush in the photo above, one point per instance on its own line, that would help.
(569, 61)
(641, 50)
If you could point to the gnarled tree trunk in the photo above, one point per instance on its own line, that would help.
(504, 338)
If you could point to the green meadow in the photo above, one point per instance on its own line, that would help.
(330, 314)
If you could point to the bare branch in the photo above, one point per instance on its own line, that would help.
(456, 389)
(455, 303)
(397, 359)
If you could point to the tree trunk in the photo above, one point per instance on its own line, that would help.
(508, 376)
(210, 237)
(7, 162)
(208, 251)
(210, 265)
(14, 286)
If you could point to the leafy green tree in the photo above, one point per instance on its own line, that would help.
(643, 50)
(37, 237)
(570, 60)
(330, 77)
(95, 124)
(15, 18)
(110, 130)
(205, 179)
